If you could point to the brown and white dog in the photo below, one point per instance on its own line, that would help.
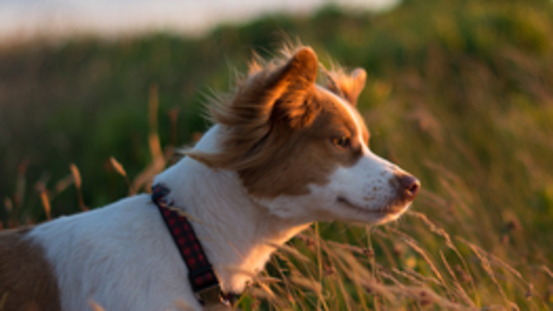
(284, 152)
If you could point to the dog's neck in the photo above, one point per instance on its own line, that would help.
(237, 233)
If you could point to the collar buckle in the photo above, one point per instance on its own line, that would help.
(211, 295)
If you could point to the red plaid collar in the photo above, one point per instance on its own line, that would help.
(202, 277)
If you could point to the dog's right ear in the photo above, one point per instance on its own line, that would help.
(289, 90)
(298, 73)
(276, 96)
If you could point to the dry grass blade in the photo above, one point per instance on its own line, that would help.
(78, 185)
(449, 243)
(388, 276)
(64, 183)
(268, 293)
(261, 293)
(144, 179)
(76, 175)
(426, 297)
(421, 293)
(498, 261)
(527, 286)
(414, 245)
(352, 263)
(306, 283)
(439, 231)
(348, 247)
(117, 167)
(46, 204)
(289, 250)
(267, 280)
(485, 264)
(358, 273)
(462, 293)
(546, 270)
(416, 277)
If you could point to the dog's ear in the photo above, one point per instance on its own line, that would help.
(277, 96)
(348, 86)
(291, 87)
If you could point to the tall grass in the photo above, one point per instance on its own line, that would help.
(460, 93)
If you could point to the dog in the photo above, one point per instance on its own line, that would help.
(283, 153)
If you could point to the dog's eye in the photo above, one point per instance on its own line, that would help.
(342, 142)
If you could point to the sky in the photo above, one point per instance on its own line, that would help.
(25, 19)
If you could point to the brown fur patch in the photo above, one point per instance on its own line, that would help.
(280, 127)
(27, 282)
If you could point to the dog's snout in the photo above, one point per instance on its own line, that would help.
(409, 186)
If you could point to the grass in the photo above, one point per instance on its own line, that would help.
(460, 93)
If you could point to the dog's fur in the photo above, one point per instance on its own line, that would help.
(284, 152)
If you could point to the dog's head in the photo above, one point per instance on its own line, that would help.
(301, 150)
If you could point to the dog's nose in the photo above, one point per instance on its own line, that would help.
(410, 186)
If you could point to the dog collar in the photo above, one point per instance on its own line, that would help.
(202, 277)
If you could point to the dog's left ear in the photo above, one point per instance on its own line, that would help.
(348, 86)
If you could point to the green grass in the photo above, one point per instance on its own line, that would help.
(460, 93)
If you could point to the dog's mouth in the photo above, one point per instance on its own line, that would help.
(387, 210)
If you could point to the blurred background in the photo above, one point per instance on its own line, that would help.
(96, 95)
(27, 19)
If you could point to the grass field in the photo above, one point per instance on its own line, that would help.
(460, 93)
